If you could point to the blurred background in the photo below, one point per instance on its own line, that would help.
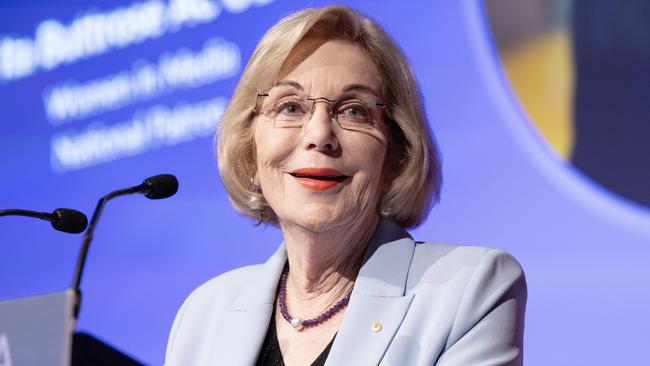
(581, 69)
(541, 110)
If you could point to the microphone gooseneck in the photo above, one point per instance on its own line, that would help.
(62, 219)
(156, 187)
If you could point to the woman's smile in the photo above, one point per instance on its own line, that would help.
(318, 179)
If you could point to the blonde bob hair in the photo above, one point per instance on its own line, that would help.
(413, 178)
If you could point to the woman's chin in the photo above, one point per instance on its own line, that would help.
(315, 220)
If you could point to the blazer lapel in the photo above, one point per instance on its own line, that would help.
(378, 297)
(244, 325)
(378, 303)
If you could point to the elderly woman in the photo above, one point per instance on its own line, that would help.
(326, 137)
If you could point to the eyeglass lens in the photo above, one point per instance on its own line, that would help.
(293, 111)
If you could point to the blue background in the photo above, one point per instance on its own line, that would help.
(584, 250)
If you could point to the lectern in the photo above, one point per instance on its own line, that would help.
(39, 330)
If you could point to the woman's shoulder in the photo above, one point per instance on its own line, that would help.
(472, 299)
(434, 261)
(223, 288)
(466, 254)
(200, 309)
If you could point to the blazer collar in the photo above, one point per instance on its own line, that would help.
(378, 297)
(379, 301)
(383, 273)
(243, 328)
(261, 289)
(387, 261)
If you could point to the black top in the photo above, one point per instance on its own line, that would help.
(270, 354)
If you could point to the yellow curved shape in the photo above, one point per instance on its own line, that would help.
(540, 71)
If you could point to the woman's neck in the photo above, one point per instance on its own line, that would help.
(324, 265)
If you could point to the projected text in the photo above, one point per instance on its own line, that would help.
(183, 69)
(95, 33)
(156, 127)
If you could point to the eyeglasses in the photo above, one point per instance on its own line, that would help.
(355, 113)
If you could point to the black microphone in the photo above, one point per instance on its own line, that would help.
(62, 219)
(156, 187)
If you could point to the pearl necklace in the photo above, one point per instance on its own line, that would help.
(298, 323)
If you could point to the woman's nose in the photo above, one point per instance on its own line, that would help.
(319, 131)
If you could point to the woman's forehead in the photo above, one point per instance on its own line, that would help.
(329, 64)
(291, 86)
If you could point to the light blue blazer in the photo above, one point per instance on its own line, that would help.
(437, 305)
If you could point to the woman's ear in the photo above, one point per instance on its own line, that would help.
(255, 183)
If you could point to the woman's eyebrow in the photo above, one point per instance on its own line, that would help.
(346, 89)
(289, 83)
(360, 88)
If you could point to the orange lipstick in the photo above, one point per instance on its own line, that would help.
(318, 179)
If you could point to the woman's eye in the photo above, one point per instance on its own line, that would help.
(289, 108)
(353, 111)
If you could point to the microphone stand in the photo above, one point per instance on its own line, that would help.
(156, 187)
(86, 349)
(88, 237)
(83, 253)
